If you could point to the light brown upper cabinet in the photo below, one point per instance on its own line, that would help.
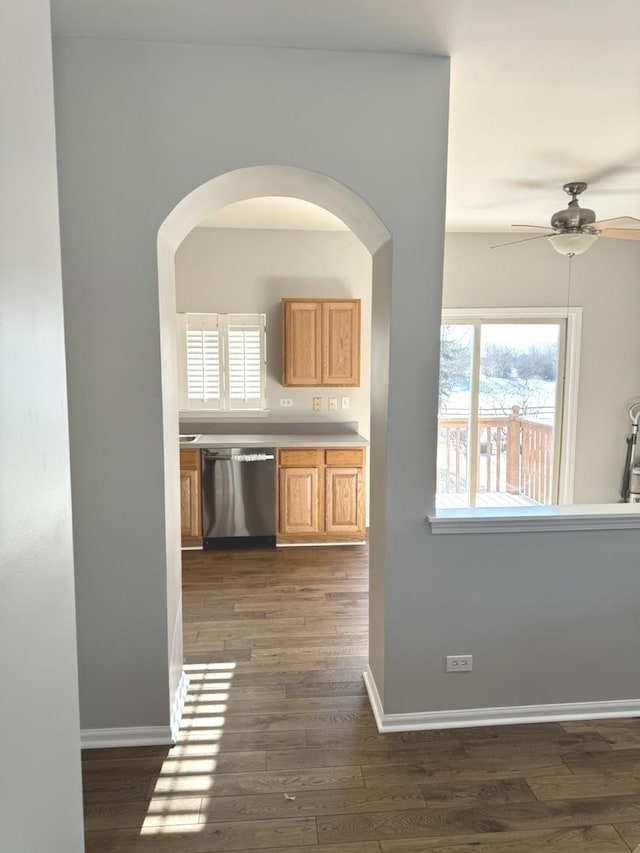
(301, 342)
(321, 342)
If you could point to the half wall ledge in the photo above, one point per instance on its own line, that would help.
(542, 519)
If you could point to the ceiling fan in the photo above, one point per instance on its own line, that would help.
(574, 229)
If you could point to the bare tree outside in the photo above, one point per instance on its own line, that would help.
(456, 351)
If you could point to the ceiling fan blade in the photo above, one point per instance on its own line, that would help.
(612, 169)
(525, 240)
(566, 167)
(621, 233)
(546, 227)
(618, 222)
(635, 191)
(620, 228)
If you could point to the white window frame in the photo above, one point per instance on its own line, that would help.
(569, 366)
(221, 322)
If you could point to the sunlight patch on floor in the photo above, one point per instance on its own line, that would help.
(187, 773)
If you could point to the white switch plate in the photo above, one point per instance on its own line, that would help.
(459, 663)
(317, 404)
(345, 402)
(333, 404)
(286, 403)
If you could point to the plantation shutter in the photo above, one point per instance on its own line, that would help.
(204, 385)
(222, 361)
(246, 361)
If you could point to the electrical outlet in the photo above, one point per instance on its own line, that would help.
(333, 404)
(459, 663)
(345, 401)
(317, 404)
(286, 403)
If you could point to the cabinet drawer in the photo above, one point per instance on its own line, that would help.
(190, 460)
(353, 456)
(300, 458)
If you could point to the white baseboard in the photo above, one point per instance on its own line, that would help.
(140, 735)
(510, 715)
(134, 736)
(374, 699)
(178, 706)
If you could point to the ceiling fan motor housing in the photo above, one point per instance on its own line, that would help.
(573, 219)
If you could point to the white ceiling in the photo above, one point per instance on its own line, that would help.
(275, 212)
(541, 92)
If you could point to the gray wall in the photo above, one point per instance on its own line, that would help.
(605, 283)
(141, 125)
(549, 618)
(41, 807)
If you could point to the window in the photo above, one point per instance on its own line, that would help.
(222, 361)
(506, 407)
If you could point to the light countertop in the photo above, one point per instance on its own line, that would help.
(349, 439)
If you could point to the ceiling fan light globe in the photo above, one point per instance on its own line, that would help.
(572, 244)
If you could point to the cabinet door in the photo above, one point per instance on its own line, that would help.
(341, 342)
(344, 501)
(190, 505)
(190, 518)
(301, 343)
(300, 501)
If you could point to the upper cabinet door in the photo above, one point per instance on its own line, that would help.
(341, 342)
(301, 343)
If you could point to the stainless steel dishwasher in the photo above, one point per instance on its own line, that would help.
(238, 497)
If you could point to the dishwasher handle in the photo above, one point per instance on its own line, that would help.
(240, 457)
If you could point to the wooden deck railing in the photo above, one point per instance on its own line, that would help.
(514, 455)
(536, 455)
(452, 454)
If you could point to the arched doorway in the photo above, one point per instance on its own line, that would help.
(238, 185)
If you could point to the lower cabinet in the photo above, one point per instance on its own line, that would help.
(321, 496)
(190, 506)
(300, 493)
(344, 501)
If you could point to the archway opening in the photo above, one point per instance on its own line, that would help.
(363, 222)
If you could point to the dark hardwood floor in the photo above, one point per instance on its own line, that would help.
(279, 751)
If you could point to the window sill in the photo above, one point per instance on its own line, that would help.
(536, 519)
(186, 415)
